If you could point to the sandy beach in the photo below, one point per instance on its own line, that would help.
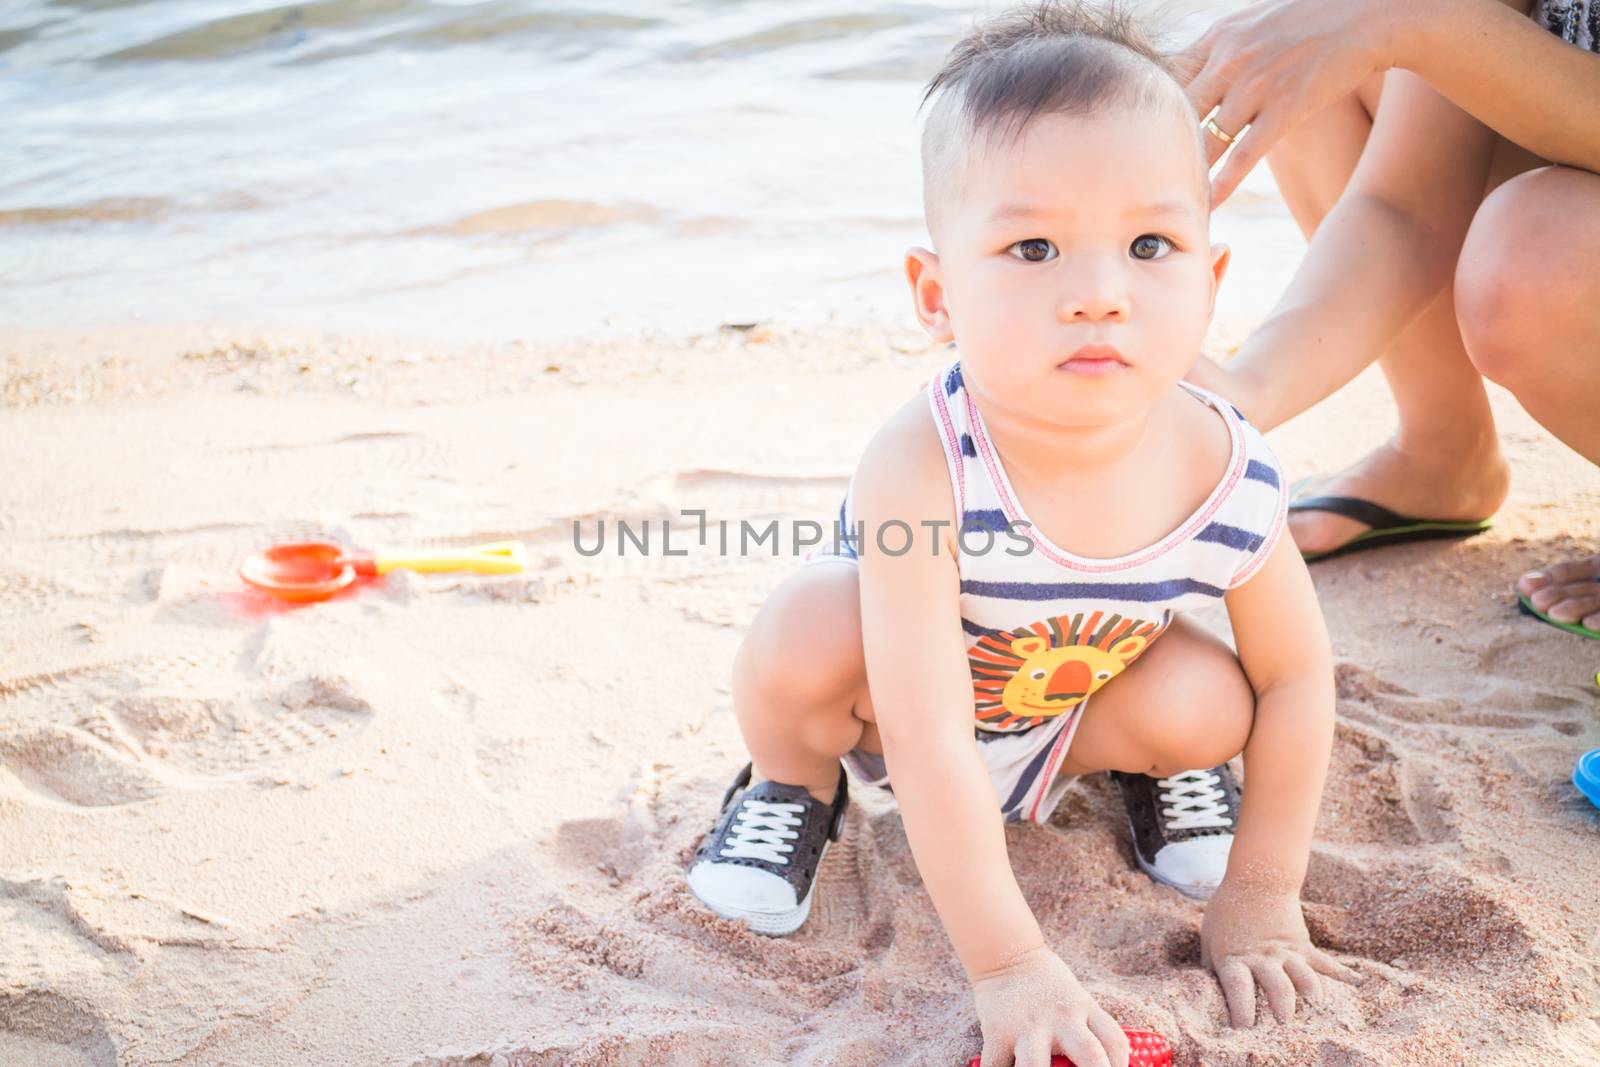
(443, 819)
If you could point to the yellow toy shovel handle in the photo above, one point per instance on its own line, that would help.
(498, 557)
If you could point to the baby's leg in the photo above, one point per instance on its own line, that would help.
(1185, 703)
(799, 684)
(800, 680)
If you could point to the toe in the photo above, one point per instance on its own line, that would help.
(1575, 605)
(1568, 572)
(1555, 593)
(1559, 593)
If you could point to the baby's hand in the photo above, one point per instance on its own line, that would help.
(1255, 937)
(1036, 1007)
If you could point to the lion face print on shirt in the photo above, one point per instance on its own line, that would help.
(1022, 677)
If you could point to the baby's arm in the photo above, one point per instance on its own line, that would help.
(1028, 1002)
(1254, 933)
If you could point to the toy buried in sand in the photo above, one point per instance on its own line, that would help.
(316, 570)
(1145, 1049)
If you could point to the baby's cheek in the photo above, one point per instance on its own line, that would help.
(1184, 315)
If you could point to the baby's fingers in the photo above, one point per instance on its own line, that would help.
(1239, 990)
(1275, 984)
(1111, 1036)
(1082, 1046)
(1323, 963)
(1033, 1049)
(1306, 981)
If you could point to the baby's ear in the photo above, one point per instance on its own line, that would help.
(1220, 255)
(1028, 646)
(927, 294)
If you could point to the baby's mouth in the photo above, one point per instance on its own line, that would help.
(1093, 361)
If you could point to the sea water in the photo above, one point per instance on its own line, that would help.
(484, 170)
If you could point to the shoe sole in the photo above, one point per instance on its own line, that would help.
(770, 923)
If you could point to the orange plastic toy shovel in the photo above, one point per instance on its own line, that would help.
(316, 570)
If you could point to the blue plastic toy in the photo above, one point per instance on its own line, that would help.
(1586, 775)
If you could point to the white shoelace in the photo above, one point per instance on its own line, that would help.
(762, 829)
(1195, 803)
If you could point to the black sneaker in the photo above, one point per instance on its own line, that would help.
(1182, 826)
(760, 860)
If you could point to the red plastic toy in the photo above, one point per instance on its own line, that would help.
(1146, 1049)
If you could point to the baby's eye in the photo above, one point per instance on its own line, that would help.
(1037, 675)
(1148, 246)
(1033, 250)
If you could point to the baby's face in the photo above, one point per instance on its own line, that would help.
(1075, 270)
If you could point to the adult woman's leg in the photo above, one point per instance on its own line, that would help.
(1529, 306)
(1444, 460)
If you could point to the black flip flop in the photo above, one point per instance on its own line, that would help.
(1386, 527)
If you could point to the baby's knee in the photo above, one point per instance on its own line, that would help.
(805, 642)
(1197, 741)
(1200, 721)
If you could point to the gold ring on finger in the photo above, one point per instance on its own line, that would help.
(1218, 132)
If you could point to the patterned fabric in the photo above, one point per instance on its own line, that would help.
(1045, 628)
(1574, 21)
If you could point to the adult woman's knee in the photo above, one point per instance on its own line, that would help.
(805, 643)
(1518, 266)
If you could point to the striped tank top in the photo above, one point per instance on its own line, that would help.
(1574, 21)
(1045, 628)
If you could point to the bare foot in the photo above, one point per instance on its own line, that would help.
(1427, 486)
(1567, 592)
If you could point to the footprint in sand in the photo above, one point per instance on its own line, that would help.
(1375, 795)
(214, 736)
(119, 733)
(49, 762)
(56, 1030)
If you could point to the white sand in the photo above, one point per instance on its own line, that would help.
(443, 820)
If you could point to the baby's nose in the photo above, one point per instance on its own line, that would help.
(1095, 293)
(1096, 305)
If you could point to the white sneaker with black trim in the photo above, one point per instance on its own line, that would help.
(1182, 826)
(759, 863)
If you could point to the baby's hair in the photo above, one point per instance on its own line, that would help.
(1049, 57)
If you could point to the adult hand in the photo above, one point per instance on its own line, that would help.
(1236, 389)
(1274, 64)
(1036, 1007)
